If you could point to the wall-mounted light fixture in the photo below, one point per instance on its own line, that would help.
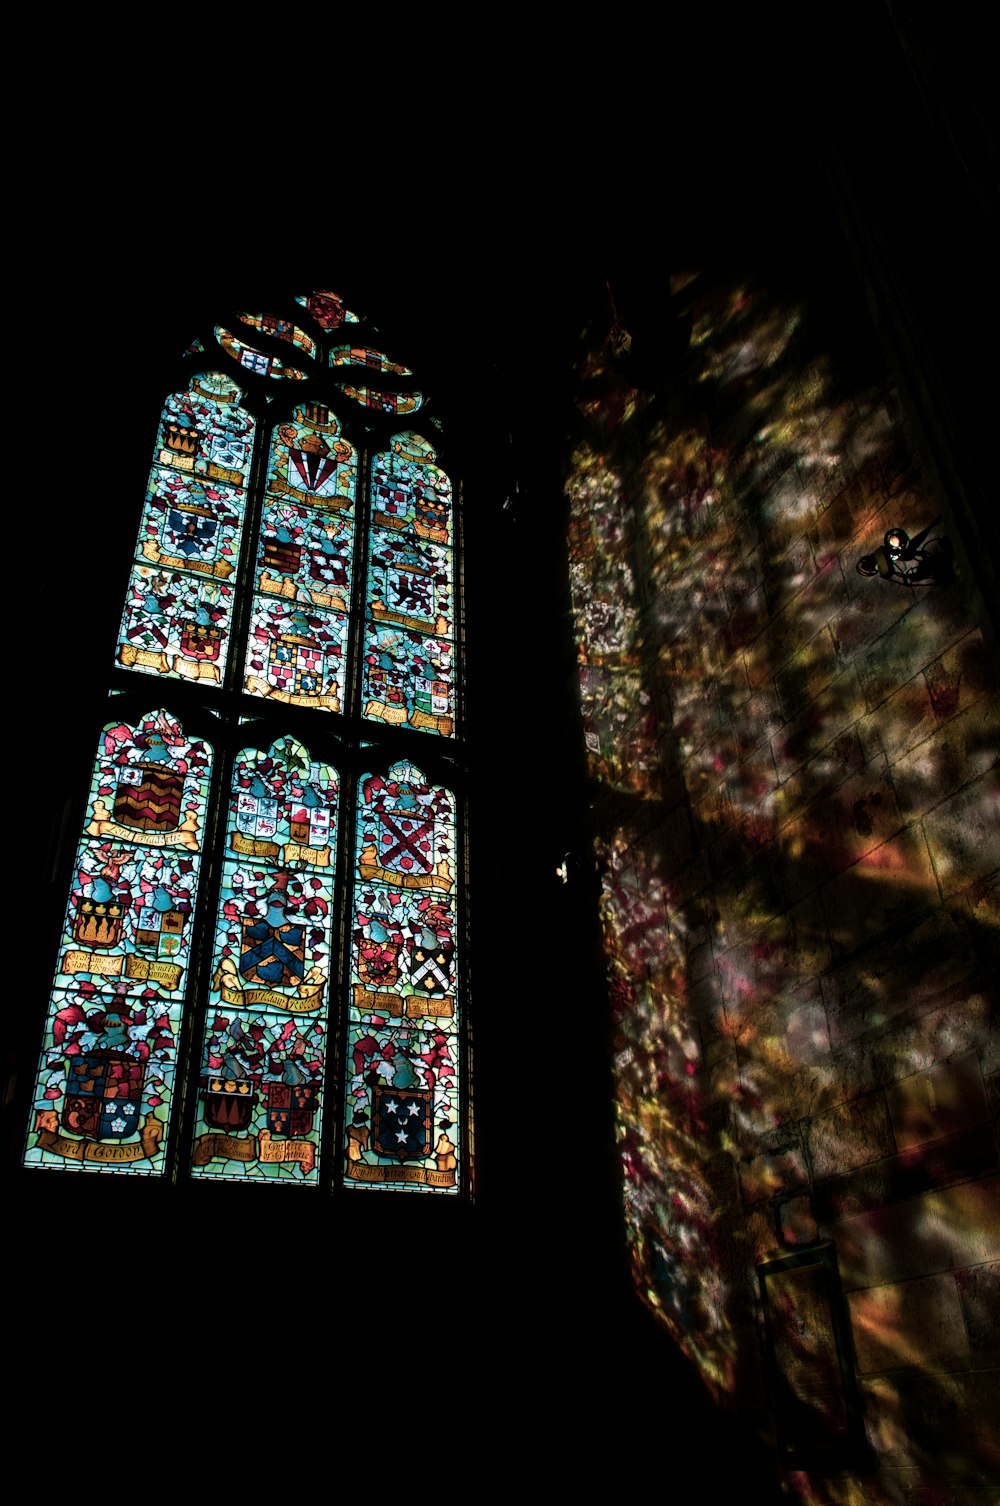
(920, 561)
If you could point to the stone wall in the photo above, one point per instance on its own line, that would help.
(794, 782)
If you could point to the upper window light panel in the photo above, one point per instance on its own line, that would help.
(409, 655)
(361, 359)
(178, 612)
(302, 587)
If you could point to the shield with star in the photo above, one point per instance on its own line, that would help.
(103, 1095)
(402, 1122)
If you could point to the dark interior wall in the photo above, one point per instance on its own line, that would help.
(793, 795)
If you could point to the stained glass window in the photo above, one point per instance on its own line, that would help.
(105, 1086)
(296, 568)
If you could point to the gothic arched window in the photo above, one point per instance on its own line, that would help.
(259, 967)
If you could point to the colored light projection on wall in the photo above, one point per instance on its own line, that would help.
(795, 816)
(178, 611)
(104, 1092)
(327, 309)
(264, 1058)
(281, 329)
(298, 635)
(257, 361)
(410, 627)
(403, 1077)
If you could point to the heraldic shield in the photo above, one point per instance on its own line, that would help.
(406, 842)
(431, 963)
(378, 965)
(103, 1095)
(402, 1122)
(296, 665)
(283, 557)
(273, 955)
(158, 931)
(291, 1108)
(229, 1103)
(149, 798)
(201, 641)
